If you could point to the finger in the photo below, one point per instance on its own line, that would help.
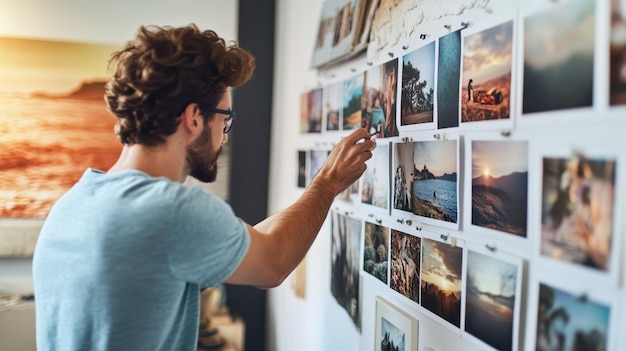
(357, 135)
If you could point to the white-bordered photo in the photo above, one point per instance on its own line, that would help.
(487, 76)
(617, 54)
(405, 262)
(448, 79)
(395, 328)
(380, 93)
(497, 187)
(441, 292)
(311, 111)
(565, 313)
(352, 101)
(375, 183)
(376, 250)
(493, 295)
(332, 106)
(578, 219)
(425, 182)
(316, 159)
(418, 88)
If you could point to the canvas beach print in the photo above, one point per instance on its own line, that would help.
(352, 101)
(376, 251)
(441, 280)
(54, 118)
(500, 185)
(396, 330)
(492, 296)
(375, 179)
(417, 103)
(345, 256)
(332, 107)
(406, 256)
(559, 58)
(378, 113)
(486, 76)
(311, 111)
(577, 212)
(617, 53)
(434, 182)
(448, 80)
(566, 321)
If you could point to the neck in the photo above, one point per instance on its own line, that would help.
(161, 161)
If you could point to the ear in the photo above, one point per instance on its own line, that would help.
(191, 120)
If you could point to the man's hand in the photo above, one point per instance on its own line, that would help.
(346, 163)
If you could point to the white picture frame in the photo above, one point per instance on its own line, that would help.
(400, 327)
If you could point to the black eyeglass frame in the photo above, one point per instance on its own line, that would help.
(229, 121)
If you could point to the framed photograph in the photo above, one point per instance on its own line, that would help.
(376, 251)
(617, 53)
(311, 111)
(375, 181)
(345, 264)
(569, 314)
(426, 180)
(41, 161)
(352, 101)
(406, 253)
(378, 113)
(442, 279)
(487, 76)
(395, 328)
(417, 102)
(493, 294)
(558, 69)
(498, 192)
(332, 106)
(448, 79)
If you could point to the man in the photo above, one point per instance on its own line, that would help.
(123, 255)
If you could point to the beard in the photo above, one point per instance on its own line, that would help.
(202, 158)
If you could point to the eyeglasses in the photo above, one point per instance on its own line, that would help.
(228, 122)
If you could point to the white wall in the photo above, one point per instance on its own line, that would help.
(317, 322)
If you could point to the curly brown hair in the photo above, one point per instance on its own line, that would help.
(162, 71)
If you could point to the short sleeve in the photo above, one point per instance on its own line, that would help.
(208, 241)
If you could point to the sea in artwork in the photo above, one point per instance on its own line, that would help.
(440, 193)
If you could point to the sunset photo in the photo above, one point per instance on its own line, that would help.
(376, 251)
(406, 252)
(490, 293)
(345, 255)
(500, 185)
(578, 200)
(434, 180)
(56, 123)
(375, 180)
(442, 280)
(558, 57)
(352, 94)
(418, 86)
(486, 76)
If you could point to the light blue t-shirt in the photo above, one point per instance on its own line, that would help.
(121, 259)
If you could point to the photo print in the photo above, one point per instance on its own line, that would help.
(404, 169)
(558, 57)
(376, 251)
(448, 80)
(577, 210)
(378, 113)
(617, 52)
(352, 101)
(332, 107)
(441, 280)
(54, 118)
(406, 256)
(316, 161)
(345, 256)
(486, 82)
(492, 299)
(500, 185)
(434, 182)
(311, 111)
(375, 179)
(396, 330)
(417, 104)
(569, 322)
(302, 157)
